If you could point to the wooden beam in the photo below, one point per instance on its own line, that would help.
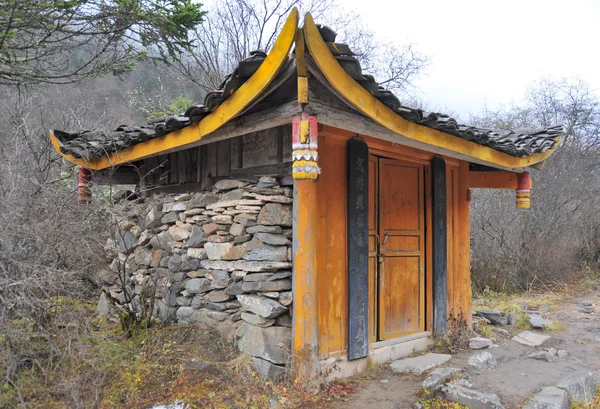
(370, 106)
(493, 180)
(440, 246)
(305, 320)
(229, 109)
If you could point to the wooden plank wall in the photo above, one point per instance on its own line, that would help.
(256, 153)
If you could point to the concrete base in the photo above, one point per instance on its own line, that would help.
(379, 353)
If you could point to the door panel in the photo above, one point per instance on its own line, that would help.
(402, 242)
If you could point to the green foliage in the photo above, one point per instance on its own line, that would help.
(176, 107)
(66, 41)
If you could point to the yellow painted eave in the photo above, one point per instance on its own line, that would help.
(225, 112)
(370, 106)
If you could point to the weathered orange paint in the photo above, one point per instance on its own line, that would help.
(331, 238)
(306, 233)
(493, 180)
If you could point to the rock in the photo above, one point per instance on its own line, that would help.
(419, 364)
(170, 218)
(482, 361)
(257, 320)
(266, 370)
(216, 306)
(242, 239)
(548, 398)
(218, 296)
(580, 386)
(273, 239)
(284, 320)
(125, 241)
(258, 277)
(264, 229)
(203, 199)
(229, 184)
(197, 238)
(494, 317)
(161, 240)
(470, 398)
(238, 252)
(270, 198)
(275, 214)
(267, 253)
(235, 194)
(222, 219)
(262, 306)
(234, 289)
(220, 238)
(234, 203)
(512, 319)
(175, 207)
(244, 265)
(277, 285)
(439, 376)
(215, 251)
(530, 338)
(211, 228)
(198, 285)
(153, 217)
(267, 181)
(552, 351)
(183, 301)
(103, 307)
(586, 309)
(207, 319)
(537, 321)
(245, 219)
(501, 331)
(179, 233)
(195, 366)
(463, 382)
(285, 298)
(237, 229)
(542, 356)
(562, 353)
(272, 343)
(480, 343)
(198, 253)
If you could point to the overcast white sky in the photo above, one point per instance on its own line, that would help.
(490, 52)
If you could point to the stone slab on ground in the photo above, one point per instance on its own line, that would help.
(482, 361)
(530, 339)
(537, 321)
(480, 343)
(438, 376)
(419, 364)
(470, 398)
(549, 398)
(494, 317)
(580, 386)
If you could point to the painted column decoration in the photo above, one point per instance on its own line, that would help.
(304, 147)
(358, 249)
(84, 194)
(524, 190)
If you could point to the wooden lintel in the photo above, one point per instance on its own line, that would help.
(493, 180)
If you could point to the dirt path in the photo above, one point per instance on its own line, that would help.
(515, 378)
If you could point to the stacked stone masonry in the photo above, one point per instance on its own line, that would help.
(220, 259)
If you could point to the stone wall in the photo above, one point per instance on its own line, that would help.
(218, 259)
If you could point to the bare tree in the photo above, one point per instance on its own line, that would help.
(550, 243)
(234, 28)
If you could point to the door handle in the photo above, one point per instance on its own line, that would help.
(385, 238)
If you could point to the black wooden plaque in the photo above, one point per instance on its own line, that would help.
(440, 247)
(358, 249)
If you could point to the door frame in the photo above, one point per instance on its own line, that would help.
(406, 154)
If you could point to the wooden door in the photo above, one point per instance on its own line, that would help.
(401, 265)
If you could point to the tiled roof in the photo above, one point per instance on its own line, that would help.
(97, 144)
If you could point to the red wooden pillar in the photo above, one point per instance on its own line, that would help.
(84, 194)
(523, 190)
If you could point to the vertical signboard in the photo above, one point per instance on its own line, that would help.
(358, 249)
(440, 247)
